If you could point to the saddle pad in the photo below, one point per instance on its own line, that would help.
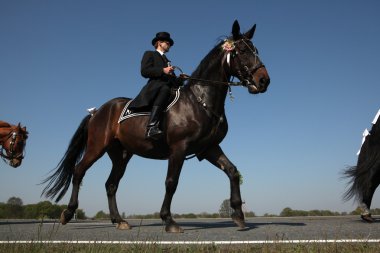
(126, 114)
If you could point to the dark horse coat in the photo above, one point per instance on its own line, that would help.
(365, 176)
(196, 124)
(152, 65)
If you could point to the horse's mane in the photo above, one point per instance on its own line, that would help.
(208, 61)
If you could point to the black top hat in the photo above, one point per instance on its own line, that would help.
(164, 36)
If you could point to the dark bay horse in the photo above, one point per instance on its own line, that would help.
(196, 124)
(12, 142)
(365, 176)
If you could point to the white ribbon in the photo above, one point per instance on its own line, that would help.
(91, 110)
(376, 117)
(365, 134)
(228, 59)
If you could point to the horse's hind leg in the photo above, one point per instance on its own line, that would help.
(216, 156)
(365, 206)
(89, 158)
(120, 158)
(366, 200)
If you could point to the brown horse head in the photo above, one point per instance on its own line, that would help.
(13, 144)
(245, 63)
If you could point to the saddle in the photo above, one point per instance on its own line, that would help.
(126, 113)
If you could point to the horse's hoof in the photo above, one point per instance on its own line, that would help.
(367, 218)
(123, 226)
(239, 221)
(65, 217)
(173, 228)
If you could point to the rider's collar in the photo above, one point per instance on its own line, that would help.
(161, 53)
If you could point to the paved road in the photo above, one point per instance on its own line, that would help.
(259, 228)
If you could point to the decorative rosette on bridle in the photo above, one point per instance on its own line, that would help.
(228, 45)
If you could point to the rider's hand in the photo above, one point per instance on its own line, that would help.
(169, 70)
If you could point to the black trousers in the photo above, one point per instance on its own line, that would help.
(162, 96)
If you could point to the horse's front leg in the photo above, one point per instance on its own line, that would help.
(176, 160)
(216, 156)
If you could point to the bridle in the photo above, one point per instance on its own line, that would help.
(240, 74)
(244, 72)
(11, 137)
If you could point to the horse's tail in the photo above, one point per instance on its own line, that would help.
(362, 175)
(59, 181)
(357, 178)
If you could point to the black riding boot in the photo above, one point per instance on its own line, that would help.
(153, 132)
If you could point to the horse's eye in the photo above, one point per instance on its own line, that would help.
(243, 49)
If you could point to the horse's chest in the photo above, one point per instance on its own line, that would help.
(214, 132)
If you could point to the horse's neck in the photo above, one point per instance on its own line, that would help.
(4, 124)
(210, 96)
(5, 129)
(213, 92)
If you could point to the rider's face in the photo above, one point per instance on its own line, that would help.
(164, 45)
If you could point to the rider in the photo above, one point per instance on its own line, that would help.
(156, 93)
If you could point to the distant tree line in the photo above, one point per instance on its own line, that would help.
(14, 209)
(288, 212)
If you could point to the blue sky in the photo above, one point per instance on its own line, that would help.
(58, 58)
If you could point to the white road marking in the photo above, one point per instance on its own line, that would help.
(198, 242)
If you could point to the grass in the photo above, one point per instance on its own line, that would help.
(277, 246)
(148, 248)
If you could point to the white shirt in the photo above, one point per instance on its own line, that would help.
(161, 53)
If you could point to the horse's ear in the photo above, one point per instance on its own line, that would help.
(236, 30)
(26, 132)
(250, 33)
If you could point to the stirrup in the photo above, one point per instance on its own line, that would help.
(153, 133)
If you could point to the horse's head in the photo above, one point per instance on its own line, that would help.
(13, 145)
(244, 61)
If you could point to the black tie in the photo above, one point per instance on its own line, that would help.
(166, 60)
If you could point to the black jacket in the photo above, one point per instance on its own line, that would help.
(152, 65)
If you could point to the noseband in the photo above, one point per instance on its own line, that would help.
(244, 72)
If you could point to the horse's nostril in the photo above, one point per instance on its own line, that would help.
(264, 81)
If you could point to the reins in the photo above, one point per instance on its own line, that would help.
(207, 81)
(187, 77)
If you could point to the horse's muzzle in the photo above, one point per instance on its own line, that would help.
(259, 87)
(15, 163)
(259, 81)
